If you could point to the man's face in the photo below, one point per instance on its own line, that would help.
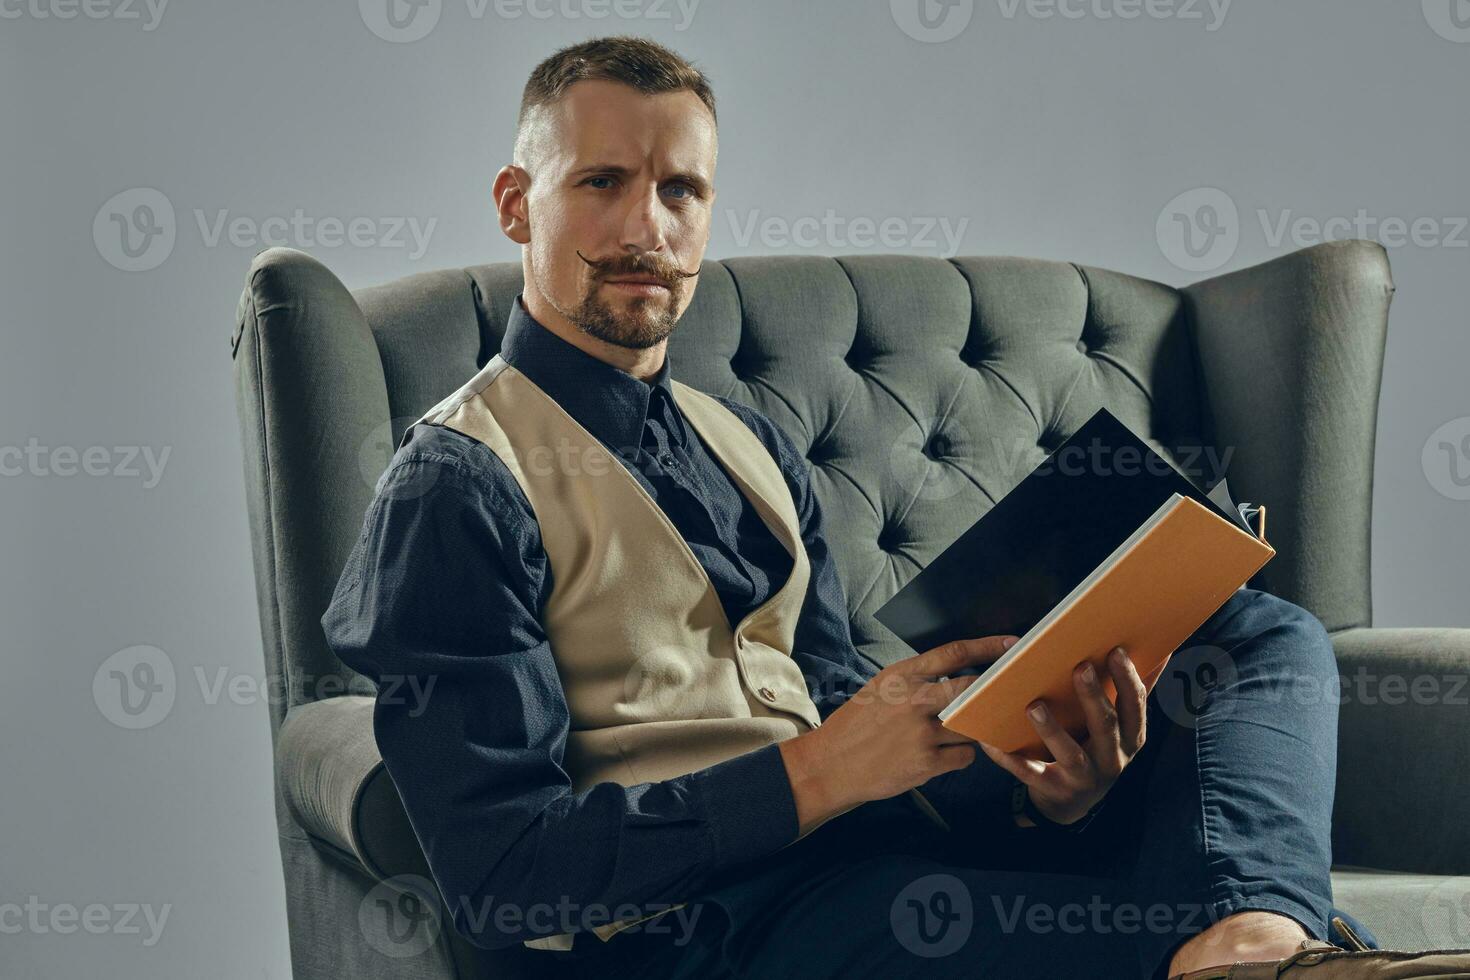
(618, 209)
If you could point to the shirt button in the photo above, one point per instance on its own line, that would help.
(667, 459)
(768, 694)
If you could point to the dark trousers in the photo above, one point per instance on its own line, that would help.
(1227, 808)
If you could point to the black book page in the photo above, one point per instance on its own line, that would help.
(1040, 540)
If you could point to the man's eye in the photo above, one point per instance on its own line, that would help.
(688, 191)
(603, 178)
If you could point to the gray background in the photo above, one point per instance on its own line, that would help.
(1053, 136)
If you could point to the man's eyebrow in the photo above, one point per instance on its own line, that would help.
(612, 168)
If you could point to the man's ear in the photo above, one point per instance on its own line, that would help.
(509, 195)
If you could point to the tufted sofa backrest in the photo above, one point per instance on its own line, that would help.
(920, 389)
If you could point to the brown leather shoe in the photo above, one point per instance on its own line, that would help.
(1317, 960)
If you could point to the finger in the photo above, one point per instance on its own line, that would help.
(941, 692)
(950, 757)
(1071, 757)
(1027, 770)
(956, 654)
(1132, 694)
(942, 735)
(1104, 741)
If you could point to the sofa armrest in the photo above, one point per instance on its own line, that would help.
(336, 787)
(1290, 359)
(1403, 769)
(312, 403)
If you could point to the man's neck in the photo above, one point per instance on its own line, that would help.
(642, 364)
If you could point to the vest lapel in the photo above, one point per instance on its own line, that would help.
(758, 477)
(765, 489)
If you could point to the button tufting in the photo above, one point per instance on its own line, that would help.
(1081, 346)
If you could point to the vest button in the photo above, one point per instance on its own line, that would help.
(768, 694)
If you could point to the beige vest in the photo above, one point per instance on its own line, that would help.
(659, 683)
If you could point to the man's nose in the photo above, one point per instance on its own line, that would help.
(643, 225)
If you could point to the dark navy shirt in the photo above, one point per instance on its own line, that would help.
(446, 586)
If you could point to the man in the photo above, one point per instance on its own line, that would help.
(647, 734)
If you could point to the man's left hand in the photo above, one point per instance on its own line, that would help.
(1081, 775)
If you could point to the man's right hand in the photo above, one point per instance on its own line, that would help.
(886, 738)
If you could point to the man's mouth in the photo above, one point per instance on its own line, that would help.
(638, 285)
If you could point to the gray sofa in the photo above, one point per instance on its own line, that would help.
(922, 389)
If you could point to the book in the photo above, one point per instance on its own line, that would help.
(1106, 543)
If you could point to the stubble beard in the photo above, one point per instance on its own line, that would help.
(643, 323)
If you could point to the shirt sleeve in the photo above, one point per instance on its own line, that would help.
(441, 595)
(975, 797)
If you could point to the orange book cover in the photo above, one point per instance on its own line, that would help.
(1149, 596)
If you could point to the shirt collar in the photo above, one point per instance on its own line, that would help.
(607, 401)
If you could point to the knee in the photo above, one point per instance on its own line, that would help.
(1282, 639)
